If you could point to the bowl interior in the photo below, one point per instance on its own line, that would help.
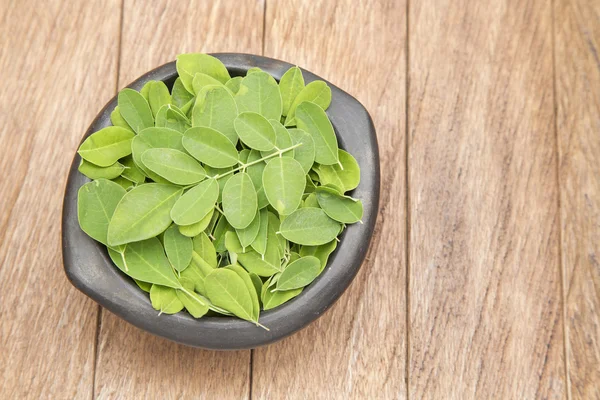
(90, 269)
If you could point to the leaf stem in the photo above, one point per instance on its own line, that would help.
(246, 165)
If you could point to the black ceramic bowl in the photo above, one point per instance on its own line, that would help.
(90, 269)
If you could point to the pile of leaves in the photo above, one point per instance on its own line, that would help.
(224, 195)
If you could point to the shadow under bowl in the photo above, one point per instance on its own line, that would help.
(90, 269)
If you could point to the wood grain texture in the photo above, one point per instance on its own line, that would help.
(577, 63)
(50, 92)
(153, 35)
(356, 350)
(485, 286)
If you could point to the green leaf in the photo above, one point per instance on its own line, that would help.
(271, 299)
(316, 92)
(205, 249)
(284, 182)
(210, 147)
(282, 140)
(309, 227)
(259, 93)
(322, 252)
(340, 208)
(255, 131)
(312, 119)
(169, 116)
(173, 165)
(215, 108)
(219, 234)
(234, 84)
(145, 90)
(105, 147)
(146, 261)
(142, 213)
(196, 203)
(256, 172)
(254, 262)
(131, 171)
(311, 201)
(158, 96)
(290, 85)
(253, 70)
(194, 303)
(257, 283)
(201, 81)
(197, 228)
(299, 273)
(188, 65)
(145, 286)
(305, 154)
(117, 119)
(95, 172)
(226, 289)
(96, 204)
(247, 235)
(232, 243)
(124, 183)
(154, 138)
(241, 272)
(165, 299)
(180, 96)
(195, 275)
(272, 236)
(260, 242)
(178, 248)
(239, 200)
(346, 177)
(135, 110)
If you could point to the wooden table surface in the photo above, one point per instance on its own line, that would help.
(483, 279)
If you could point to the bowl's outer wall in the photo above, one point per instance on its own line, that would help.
(89, 268)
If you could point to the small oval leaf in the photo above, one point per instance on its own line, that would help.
(309, 227)
(210, 147)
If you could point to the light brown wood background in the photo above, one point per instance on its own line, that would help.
(484, 273)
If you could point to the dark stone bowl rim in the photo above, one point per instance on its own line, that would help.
(89, 268)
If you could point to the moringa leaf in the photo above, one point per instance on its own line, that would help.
(105, 147)
(284, 182)
(178, 248)
(188, 65)
(135, 110)
(201, 81)
(93, 171)
(226, 289)
(215, 108)
(180, 96)
(255, 131)
(124, 183)
(205, 249)
(282, 140)
(309, 227)
(299, 273)
(322, 252)
(96, 204)
(312, 119)
(259, 93)
(131, 171)
(193, 230)
(146, 261)
(195, 304)
(316, 92)
(340, 208)
(305, 154)
(154, 138)
(210, 147)
(242, 273)
(158, 96)
(247, 235)
(165, 299)
(345, 179)
(117, 119)
(173, 165)
(239, 200)
(196, 203)
(260, 242)
(271, 299)
(234, 84)
(169, 116)
(290, 85)
(142, 213)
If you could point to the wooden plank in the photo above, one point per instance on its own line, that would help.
(152, 35)
(51, 90)
(485, 284)
(357, 349)
(577, 63)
